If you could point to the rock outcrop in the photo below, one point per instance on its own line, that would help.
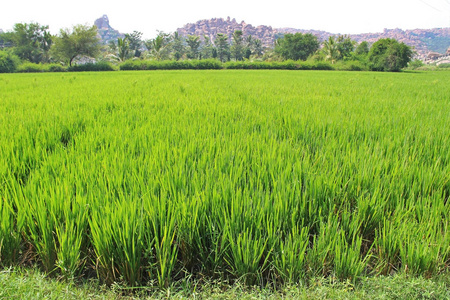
(105, 32)
(212, 27)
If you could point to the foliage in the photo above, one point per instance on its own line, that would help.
(123, 49)
(222, 47)
(193, 42)
(8, 62)
(30, 42)
(330, 49)
(285, 65)
(178, 46)
(297, 46)
(207, 48)
(81, 40)
(389, 55)
(98, 66)
(237, 48)
(345, 46)
(444, 66)
(135, 42)
(362, 48)
(38, 68)
(204, 64)
(415, 64)
(159, 46)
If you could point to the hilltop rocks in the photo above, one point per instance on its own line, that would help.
(105, 32)
(212, 27)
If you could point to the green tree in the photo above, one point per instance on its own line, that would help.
(30, 42)
(177, 46)
(389, 55)
(222, 47)
(297, 46)
(193, 42)
(258, 48)
(207, 48)
(81, 40)
(8, 62)
(123, 48)
(158, 46)
(345, 46)
(135, 42)
(330, 49)
(362, 48)
(237, 48)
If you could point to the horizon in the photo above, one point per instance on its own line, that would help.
(337, 17)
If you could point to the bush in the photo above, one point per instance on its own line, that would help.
(55, 68)
(92, 67)
(389, 55)
(37, 68)
(415, 64)
(444, 66)
(8, 62)
(351, 65)
(206, 64)
(29, 67)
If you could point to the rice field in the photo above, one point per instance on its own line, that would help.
(267, 177)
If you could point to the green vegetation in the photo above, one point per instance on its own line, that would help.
(263, 178)
(70, 44)
(27, 284)
(297, 46)
(8, 62)
(389, 55)
(32, 43)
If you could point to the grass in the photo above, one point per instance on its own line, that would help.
(28, 284)
(264, 178)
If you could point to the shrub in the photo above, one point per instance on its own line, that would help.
(389, 55)
(206, 64)
(444, 66)
(29, 67)
(55, 68)
(8, 62)
(92, 67)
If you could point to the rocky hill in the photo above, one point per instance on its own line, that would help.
(211, 28)
(423, 40)
(105, 32)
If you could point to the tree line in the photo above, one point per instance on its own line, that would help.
(33, 43)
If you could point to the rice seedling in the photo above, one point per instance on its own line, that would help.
(269, 177)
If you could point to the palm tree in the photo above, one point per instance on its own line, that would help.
(258, 47)
(123, 47)
(157, 46)
(330, 49)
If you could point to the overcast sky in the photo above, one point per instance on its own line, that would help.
(336, 16)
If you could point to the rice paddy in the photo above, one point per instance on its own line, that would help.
(269, 177)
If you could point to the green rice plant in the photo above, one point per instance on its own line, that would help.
(248, 255)
(420, 248)
(290, 258)
(320, 257)
(348, 264)
(71, 236)
(10, 238)
(160, 239)
(170, 175)
(387, 248)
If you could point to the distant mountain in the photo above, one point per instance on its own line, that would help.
(423, 40)
(105, 32)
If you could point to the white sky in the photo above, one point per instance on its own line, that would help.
(344, 16)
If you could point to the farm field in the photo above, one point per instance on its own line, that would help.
(266, 177)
